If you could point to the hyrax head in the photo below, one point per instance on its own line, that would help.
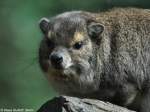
(67, 50)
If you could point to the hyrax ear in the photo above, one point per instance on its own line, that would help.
(95, 29)
(44, 25)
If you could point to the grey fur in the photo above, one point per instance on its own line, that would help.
(113, 67)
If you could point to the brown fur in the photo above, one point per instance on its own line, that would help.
(114, 66)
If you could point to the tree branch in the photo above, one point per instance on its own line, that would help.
(74, 104)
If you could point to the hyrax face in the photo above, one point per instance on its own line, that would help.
(67, 50)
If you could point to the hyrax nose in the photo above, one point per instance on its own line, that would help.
(56, 59)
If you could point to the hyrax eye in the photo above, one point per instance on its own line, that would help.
(50, 44)
(78, 45)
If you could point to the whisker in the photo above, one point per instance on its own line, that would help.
(26, 63)
(33, 62)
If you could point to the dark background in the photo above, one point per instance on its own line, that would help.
(22, 84)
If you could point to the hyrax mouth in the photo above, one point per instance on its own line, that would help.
(61, 78)
(65, 74)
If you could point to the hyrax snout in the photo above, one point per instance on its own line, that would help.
(103, 55)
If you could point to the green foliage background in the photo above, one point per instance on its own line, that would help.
(22, 84)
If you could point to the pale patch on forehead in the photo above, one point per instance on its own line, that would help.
(51, 34)
(78, 36)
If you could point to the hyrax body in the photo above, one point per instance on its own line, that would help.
(103, 55)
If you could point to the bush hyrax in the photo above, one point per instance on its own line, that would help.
(103, 55)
